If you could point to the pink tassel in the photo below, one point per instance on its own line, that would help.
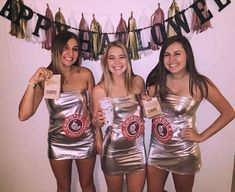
(196, 23)
(157, 17)
(122, 27)
(83, 25)
(51, 32)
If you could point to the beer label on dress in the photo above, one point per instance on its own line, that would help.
(132, 127)
(75, 125)
(162, 129)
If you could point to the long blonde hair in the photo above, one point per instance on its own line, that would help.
(107, 77)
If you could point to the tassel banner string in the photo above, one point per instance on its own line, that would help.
(19, 14)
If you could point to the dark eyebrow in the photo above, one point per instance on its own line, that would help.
(177, 51)
(67, 45)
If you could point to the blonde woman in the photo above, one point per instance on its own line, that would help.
(122, 150)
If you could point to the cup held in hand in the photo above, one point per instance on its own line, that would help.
(106, 105)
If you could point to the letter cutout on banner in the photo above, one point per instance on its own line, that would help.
(155, 38)
(7, 7)
(157, 31)
(221, 5)
(42, 23)
(179, 22)
(19, 14)
(199, 11)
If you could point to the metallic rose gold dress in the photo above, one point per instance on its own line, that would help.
(123, 147)
(70, 135)
(167, 150)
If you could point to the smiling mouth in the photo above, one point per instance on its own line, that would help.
(68, 59)
(117, 68)
(173, 65)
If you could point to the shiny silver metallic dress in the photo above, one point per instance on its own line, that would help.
(70, 135)
(124, 152)
(167, 150)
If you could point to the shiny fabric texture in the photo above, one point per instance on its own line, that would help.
(120, 156)
(177, 155)
(60, 146)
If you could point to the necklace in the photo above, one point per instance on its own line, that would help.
(178, 84)
(67, 82)
(68, 78)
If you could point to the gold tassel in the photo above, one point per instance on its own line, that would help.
(171, 12)
(19, 31)
(96, 38)
(59, 17)
(132, 38)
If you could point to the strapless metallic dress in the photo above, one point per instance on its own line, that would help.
(167, 149)
(70, 134)
(124, 152)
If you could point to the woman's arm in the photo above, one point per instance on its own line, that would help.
(98, 117)
(139, 84)
(226, 111)
(33, 94)
(90, 86)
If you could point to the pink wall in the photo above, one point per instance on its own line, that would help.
(24, 164)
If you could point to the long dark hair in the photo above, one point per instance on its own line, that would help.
(159, 74)
(58, 45)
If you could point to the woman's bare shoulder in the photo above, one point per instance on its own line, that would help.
(85, 71)
(99, 89)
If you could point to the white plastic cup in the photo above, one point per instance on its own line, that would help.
(106, 105)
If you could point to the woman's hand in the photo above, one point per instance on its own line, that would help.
(41, 74)
(98, 119)
(146, 97)
(191, 135)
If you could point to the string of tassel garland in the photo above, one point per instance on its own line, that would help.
(150, 35)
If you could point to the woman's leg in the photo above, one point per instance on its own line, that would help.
(136, 181)
(62, 171)
(114, 183)
(183, 183)
(85, 169)
(156, 179)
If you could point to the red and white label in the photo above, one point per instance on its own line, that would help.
(162, 129)
(132, 127)
(75, 125)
